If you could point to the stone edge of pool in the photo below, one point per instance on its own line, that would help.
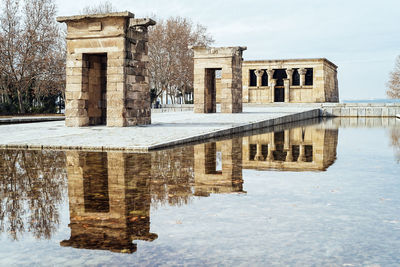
(245, 127)
(15, 120)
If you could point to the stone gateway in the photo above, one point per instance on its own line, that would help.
(106, 72)
(227, 61)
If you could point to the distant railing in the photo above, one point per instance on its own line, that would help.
(173, 108)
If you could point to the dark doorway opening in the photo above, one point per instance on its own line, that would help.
(213, 159)
(211, 90)
(308, 151)
(264, 79)
(279, 75)
(279, 153)
(296, 77)
(253, 78)
(279, 94)
(309, 76)
(252, 151)
(95, 78)
(95, 183)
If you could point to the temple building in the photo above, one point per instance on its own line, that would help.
(289, 81)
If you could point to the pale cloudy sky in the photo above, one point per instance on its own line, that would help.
(361, 37)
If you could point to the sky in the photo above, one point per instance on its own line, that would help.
(361, 37)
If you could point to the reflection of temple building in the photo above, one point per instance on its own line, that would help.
(298, 149)
(218, 167)
(109, 200)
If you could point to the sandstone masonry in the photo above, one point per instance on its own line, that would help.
(227, 60)
(106, 72)
(290, 81)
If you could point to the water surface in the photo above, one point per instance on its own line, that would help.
(310, 194)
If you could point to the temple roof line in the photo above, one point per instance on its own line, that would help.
(289, 60)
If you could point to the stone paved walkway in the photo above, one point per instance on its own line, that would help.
(167, 129)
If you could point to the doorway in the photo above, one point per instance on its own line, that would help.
(279, 94)
(211, 90)
(96, 80)
(95, 183)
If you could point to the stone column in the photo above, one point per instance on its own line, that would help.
(286, 143)
(289, 155)
(271, 147)
(259, 156)
(270, 76)
(286, 83)
(302, 73)
(289, 73)
(259, 74)
(287, 147)
(272, 141)
(270, 156)
(302, 157)
(272, 88)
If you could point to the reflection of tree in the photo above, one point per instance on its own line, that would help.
(172, 176)
(32, 184)
(395, 139)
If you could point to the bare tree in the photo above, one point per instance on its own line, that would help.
(32, 187)
(395, 142)
(31, 54)
(103, 7)
(170, 59)
(394, 81)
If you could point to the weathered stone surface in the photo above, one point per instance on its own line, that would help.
(108, 225)
(228, 60)
(106, 58)
(324, 86)
(168, 129)
(303, 149)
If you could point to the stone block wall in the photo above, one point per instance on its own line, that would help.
(229, 61)
(323, 89)
(360, 109)
(138, 109)
(120, 42)
(331, 86)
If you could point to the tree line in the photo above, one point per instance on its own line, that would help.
(32, 57)
(393, 84)
(33, 52)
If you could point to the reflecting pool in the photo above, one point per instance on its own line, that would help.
(308, 194)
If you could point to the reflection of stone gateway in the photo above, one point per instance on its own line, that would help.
(107, 80)
(210, 179)
(109, 200)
